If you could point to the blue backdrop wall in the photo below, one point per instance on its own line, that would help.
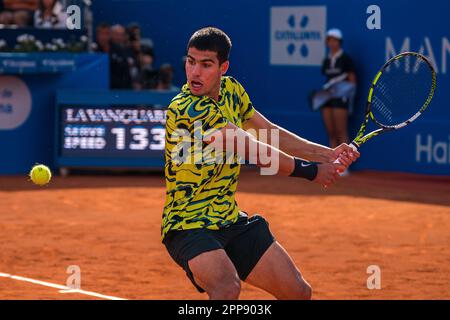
(27, 104)
(279, 87)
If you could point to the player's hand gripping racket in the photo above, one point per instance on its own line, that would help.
(399, 94)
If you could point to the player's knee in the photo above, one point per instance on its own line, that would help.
(228, 290)
(231, 290)
(307, 291)
(300, 290)
(303, 291)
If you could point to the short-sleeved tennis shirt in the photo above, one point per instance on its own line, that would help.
(200, 194)
(334, 66)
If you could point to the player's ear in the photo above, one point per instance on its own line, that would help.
(224, 67)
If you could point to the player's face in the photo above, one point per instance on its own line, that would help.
(203, 72)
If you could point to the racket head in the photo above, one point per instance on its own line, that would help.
(400, 92)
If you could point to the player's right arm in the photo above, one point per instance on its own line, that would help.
(265, 155)
(297, 146)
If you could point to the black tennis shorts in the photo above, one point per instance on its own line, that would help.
(244, 242)
(337, 103)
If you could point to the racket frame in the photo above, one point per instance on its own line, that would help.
(360, 137)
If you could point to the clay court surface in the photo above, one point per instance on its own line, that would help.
(110, 227)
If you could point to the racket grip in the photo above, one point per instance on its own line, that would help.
(354, 147)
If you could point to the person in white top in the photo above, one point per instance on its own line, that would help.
(50, 15)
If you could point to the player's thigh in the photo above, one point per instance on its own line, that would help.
(277, 274)
(213, 270)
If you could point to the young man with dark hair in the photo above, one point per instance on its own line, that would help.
(203, 229)
(102, 37)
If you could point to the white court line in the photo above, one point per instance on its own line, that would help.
(63, 289)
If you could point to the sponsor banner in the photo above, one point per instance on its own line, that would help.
(297, 35)
(29, 63)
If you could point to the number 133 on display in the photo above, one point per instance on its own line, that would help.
(141, 139)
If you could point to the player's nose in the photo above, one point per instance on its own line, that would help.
(195, 70)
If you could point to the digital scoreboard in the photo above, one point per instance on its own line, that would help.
(111, 130)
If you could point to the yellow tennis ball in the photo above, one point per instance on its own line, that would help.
(40, 174)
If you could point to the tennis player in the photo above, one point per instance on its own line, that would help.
(204, 231)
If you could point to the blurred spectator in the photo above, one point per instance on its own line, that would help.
(134, 45)
(18, 12)
(134, 37)
(149, 76)
(131, 59)
(165, 78)
(102, 38)
(118, 35)
(146, 42)
(335, 99)
(50, 15)
(121, 60)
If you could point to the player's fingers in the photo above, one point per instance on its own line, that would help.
(346, 148)
(354, 155)
(339, 167)
(348, 151)
(345, 160)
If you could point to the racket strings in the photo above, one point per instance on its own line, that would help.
(401, 91)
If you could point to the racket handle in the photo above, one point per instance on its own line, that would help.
(354, 147)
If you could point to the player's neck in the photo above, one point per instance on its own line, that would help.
(215, 97)
(215, 93)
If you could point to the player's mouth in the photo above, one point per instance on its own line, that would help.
(196, 85)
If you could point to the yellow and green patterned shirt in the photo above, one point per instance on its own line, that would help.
(200, 194)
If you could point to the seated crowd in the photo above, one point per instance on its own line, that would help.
(132, 59)
(45, 14)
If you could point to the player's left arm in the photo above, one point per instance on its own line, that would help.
(297, 146)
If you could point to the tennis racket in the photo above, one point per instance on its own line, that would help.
(400, 92)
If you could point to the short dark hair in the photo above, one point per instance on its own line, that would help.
(133, 26)
(103, 25)
(212, 39)
(146, 50)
